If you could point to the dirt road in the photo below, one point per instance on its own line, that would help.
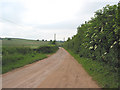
(60, 70)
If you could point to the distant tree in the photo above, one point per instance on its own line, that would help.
(68, 39)
(42, 39)
(50, 40)
(9, 38)
(54, 42)
(45, 40)
(37, 39)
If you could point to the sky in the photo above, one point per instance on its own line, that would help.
(41, 19)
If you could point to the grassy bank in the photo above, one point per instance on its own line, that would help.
(105, 75)
(15, 57)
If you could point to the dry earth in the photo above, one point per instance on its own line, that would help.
(60, 70)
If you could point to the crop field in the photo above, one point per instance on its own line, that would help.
(79, 49)
(26, 43)
(23, 43)
(19, 52)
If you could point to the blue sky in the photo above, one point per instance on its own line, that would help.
(40, 19)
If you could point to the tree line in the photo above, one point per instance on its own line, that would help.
(98, 38)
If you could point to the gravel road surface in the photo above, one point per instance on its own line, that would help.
(59, 70)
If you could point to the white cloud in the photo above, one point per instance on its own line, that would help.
(40, 19)
(29, 32)
(50, 11)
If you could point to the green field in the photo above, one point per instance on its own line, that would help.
(23, 43)
(26, 43)
(19, 52)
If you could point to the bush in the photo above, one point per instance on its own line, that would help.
(47, 49)
(98, 38)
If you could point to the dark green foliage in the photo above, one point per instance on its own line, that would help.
(9, 39)
(54, 42)
(46, 49)
(38, 40)
(98, 39)
(105, 75)
(50, 40)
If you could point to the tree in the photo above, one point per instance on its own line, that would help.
(54, 42)
(98, 38)
(68, 39)
(9, 38)
(37, 39)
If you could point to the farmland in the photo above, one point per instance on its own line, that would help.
(89, 59)
(23, 42)
(19, 52)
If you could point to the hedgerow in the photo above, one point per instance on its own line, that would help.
(98, 38)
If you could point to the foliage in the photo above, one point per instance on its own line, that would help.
(53, 42)
(98, 39)
(9, 38)
(46, 49)
(105, 75)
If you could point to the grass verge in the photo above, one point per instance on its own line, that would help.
(15, 57)
(20, 60)
(105, 75)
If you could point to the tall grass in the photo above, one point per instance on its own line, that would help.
(105, 75)
(14, 57)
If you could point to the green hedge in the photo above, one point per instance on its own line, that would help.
(98, 38)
